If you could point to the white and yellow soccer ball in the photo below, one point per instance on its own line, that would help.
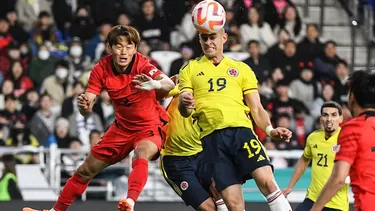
(208, 16)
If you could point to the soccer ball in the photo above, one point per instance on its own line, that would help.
(208, 16)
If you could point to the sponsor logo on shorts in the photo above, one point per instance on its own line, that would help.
(152, 72)
(336, 148)
(232, 72)
(184, 185)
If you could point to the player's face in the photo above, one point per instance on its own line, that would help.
(213, 44)
(331, 119)
(122, 52)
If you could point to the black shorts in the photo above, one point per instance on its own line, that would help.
(232, 154)
(307, 204)
(183, 174)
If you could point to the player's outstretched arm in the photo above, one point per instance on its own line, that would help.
(161, 83)
(85, 102)
(262, 119)
(334, 184)
(299, 169)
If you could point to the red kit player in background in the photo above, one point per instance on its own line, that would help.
(356, 152)
(131, 82)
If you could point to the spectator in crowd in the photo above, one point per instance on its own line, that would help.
(42, 125)
(69, 105)
(152, 27)
(186, 54)
(305, 88)
(8, 182)
(10, 112)
(57, 85)
(96, 45)
(28, 12)
(20, 135)
(31, 104)
(22, 82)
(288, 62)
(327, 95)
(185, 31)
(11, 54)
(233, 42)
(81, 126)
(278, 162)
(41, 66)
(291, 21)
(83, 26)
(257, 29)
(94, 137)
(6, 89)
(145, 49)
(341, 86)
(5, 36)
(72, 161)
(310, 47)
(277, 50)
(62, 13)
(123, 19)
(104, 109)
(78, 62)
(60, 136)
(16, 30)
(258, 63)
(44, 31)
(26, 54)
(324, 65)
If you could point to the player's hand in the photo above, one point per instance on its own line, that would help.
(188, 100)
(286, 191)
(145, 82)
(281, 133)
(175, 79)
(83, 102)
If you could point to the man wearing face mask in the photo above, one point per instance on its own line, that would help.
(57, 85)
(78, 62)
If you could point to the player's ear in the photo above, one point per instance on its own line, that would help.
(341, 118)
(225, 37)
(108, 48)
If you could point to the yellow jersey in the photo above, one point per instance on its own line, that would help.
(182, 135)
(322, 153)
(218, 92)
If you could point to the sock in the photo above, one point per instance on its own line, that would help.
(220, 205)
(137, 178)
(73, 188)
(278, 202)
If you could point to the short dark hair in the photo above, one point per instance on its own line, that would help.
(314, 25)
(253, 42)
(362, 87)
(330, 42)
(131, 34)
(62, 63)
(92, 133)
(290, 41)
(331, 104)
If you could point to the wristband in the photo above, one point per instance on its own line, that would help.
(269, 128)
(152, 84)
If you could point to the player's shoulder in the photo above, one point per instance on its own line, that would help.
(315, 135)
(237, 64)
(356, 122)
(191, 64)
(103, 64)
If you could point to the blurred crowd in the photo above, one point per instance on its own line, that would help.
(47, 49)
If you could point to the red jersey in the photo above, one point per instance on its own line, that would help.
(134, 109)
(357, 147)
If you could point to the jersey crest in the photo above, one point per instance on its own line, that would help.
(336, 148)
(233, 72)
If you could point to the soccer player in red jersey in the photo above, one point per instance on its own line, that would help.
(356, 155)
(131, 82)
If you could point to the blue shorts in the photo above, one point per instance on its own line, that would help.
(232, 154)
(183, 174)
(307, 204)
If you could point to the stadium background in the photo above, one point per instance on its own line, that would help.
(301, 51)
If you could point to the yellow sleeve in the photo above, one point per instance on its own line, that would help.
(185, 84)
(249, 82)
(34, 141)
(8, 142)
(307, 150)
(173, 92)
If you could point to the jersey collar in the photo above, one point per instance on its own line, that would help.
(128, 69)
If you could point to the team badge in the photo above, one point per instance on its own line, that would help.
(184, 185)
(336, 148)
(232, 72)
(152, 72)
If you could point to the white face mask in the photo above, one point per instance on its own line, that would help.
(76, 51)
(14, 54)
(43, 54)
(24, 50)
(61, 73)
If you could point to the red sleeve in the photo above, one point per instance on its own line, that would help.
(28, 83)
(151, 70)
(348, 143)
(95, 84)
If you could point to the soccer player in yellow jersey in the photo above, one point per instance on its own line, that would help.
(180, 160)
(215, 86)
(320, 149)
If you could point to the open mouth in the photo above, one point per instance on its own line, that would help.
(123, 60)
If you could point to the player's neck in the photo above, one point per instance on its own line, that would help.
(330, 134)
(358, 110)
(216, 59)
(118, 68)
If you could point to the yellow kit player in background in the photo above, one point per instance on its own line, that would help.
(321, 147)
(181, 160)
(216, 87)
